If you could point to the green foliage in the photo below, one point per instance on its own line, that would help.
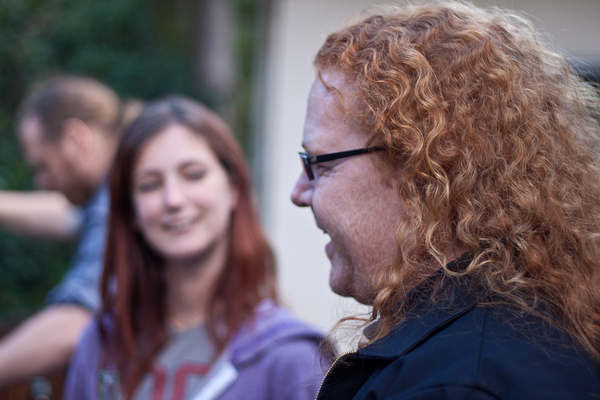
(247, 38)
(115, 41)
(29, 270)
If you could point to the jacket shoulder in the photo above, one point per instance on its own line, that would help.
(491, 351)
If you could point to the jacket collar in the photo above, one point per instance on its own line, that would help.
(458, 296)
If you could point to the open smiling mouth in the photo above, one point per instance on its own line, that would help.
(180, 224)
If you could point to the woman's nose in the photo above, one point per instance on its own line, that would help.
(173, 195)
(302, 191)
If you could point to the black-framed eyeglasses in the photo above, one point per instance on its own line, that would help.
(308, 161)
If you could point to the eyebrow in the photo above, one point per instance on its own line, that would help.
(143, 174)
(183, 164)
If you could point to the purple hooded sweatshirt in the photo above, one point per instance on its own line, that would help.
(275, 356)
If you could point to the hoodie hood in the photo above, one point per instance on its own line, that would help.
(271, 325)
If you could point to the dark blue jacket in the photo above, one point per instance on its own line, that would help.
(461, 349)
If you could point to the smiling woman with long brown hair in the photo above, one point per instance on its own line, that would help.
(189, 288)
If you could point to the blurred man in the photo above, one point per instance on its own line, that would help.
(451, 157)
(69, 128)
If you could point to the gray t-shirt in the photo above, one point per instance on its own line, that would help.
(182, 369)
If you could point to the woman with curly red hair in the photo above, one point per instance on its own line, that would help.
(468, 212)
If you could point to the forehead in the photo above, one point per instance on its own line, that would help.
(31, 136)
(327, 128)
(30, 131)
(173, 145)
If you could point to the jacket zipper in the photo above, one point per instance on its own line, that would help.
(329, 370)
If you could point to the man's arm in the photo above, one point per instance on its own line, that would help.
(43, 343)
(41, 214)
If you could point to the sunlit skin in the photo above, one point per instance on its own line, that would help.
(351, 199)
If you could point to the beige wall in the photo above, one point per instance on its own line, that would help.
(298, 29)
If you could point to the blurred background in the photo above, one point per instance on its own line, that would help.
(251, 60)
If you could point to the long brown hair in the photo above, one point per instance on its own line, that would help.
(495, 142)
(133, 283)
